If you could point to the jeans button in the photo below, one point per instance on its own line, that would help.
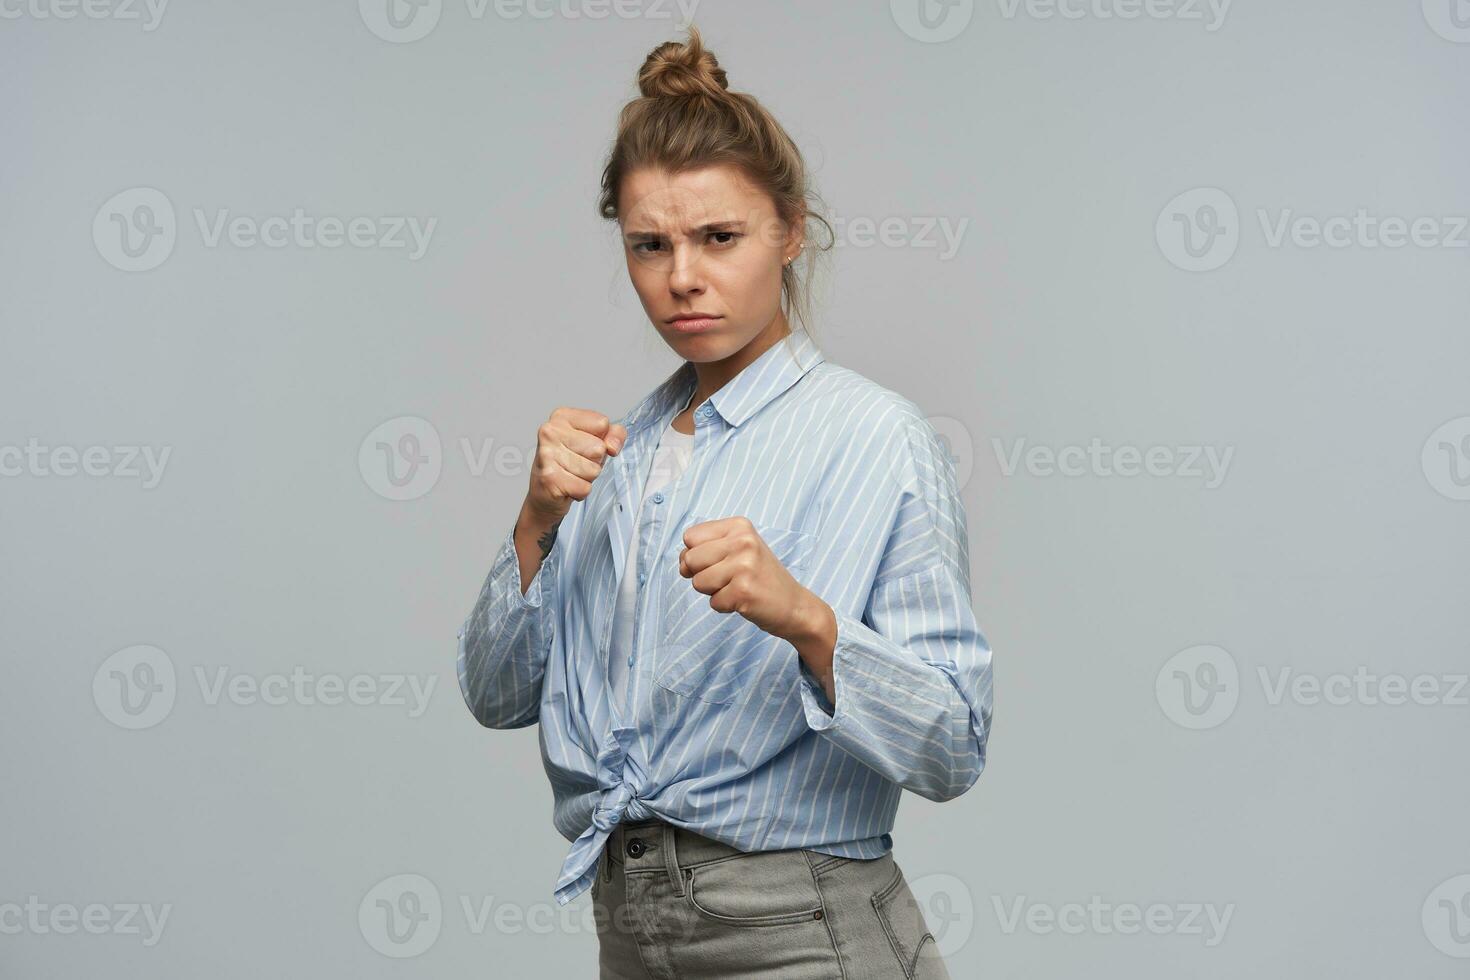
(635, 847)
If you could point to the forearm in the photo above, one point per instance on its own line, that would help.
(534, 537)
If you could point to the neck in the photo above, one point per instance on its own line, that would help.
(714, 375)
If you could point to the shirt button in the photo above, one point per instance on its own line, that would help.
(635, 847)
(630, 660)
(658, 498)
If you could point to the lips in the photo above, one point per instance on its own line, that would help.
(693, 323)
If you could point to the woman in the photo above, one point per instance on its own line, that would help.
(740, 614)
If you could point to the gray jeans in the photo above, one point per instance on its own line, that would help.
(674, 905)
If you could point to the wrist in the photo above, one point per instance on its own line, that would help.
(533, 522)
(814, 635)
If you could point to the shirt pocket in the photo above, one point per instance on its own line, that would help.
(720, 657)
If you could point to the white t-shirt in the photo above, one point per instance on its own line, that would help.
(670, 459)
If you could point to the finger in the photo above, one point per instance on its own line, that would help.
(697, 534)
(574, 464)
(711, 554)
(710, 575)
(616, 438)
(584, 419)
(568, 485)
(584, 444)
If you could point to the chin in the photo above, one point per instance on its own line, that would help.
(701, 347)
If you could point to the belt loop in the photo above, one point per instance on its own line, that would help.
(671, 859)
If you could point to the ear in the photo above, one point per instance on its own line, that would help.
(795, 233)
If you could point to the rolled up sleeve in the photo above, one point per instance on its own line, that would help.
(912, 676)
(504, 643)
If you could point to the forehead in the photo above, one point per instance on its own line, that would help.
(657, 199)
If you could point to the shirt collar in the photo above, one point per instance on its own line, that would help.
(778, 368)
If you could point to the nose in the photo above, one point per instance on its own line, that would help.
(686, 277)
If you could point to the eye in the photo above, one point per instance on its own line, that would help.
(729, 239)
(641, 246)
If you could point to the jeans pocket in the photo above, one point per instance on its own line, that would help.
(717, 657)
(913, 944)
(762, 888)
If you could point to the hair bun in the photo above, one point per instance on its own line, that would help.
(674, 70)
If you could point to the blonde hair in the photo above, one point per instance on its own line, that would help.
(686, 118)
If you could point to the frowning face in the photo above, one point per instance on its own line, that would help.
(706, 242)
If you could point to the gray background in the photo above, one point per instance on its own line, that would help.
(1334, 834)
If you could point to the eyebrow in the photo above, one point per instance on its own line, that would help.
(713, 226)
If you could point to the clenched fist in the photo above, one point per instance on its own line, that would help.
(570, 449)
(730, 562)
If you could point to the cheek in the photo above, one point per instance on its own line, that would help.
(753, 283)
(646, 282)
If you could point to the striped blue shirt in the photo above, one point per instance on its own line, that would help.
(725, 732)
